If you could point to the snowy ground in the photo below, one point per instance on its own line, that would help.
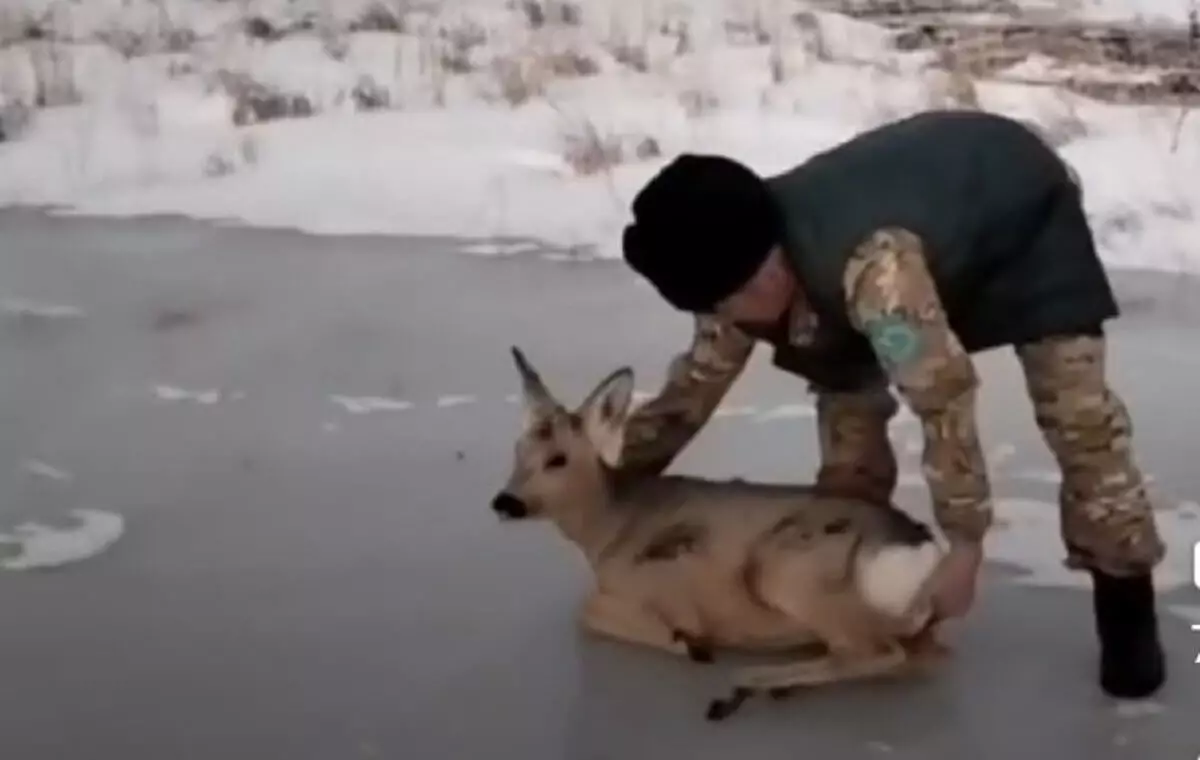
(478, 119)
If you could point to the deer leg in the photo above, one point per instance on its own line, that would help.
(631, 623)
(698, 650)
(779, 679)
(858, 644)
(924, 647)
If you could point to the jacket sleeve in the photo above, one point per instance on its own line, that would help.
(852, 432)
(697, 380)
(892, 299)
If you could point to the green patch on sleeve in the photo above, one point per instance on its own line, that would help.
(895, 339)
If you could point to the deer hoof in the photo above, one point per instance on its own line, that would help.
(720, 709)
(697, 651)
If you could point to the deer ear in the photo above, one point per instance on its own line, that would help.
(604, 413)
(538, 401)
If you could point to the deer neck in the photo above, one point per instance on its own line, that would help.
(592, 519)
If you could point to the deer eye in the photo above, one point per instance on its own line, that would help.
(556, 461)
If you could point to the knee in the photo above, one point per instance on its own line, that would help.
(1088, 420)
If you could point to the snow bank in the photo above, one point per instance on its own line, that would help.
(476, 119)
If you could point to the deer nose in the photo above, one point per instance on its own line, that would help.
(508, 505)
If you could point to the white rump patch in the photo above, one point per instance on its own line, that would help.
(890, 578)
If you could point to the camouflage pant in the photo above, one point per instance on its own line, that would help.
(1106, 516)
(1107, 519)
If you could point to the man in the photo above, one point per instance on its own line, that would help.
(889, 260)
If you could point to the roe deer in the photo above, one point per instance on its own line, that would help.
(689, 565)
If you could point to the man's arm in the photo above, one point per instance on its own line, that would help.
(892, 299)
(696, 382)
(856, 454)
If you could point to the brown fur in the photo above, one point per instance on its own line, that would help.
(689, 566)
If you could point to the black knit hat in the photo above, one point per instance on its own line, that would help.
(702, 227)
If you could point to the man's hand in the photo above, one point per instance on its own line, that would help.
(954, 587)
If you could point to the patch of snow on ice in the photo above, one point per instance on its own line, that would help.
(24, 308)
(44, 470)
(41, 546)
(369, 404)
(173, 393)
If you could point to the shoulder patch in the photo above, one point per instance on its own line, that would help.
(894, 338)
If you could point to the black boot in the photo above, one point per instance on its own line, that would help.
(1132, 664)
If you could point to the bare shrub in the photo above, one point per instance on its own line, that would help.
(953, 85)
(15, 119)
(335, 44)
(258, 28)
(222, 163)
(571, 63)
(248, 150)
(698, 102)
(758, 28)
(177, 68)
(628, 54)
(379, 17)
(647, 148)
(539, 13)
(54, 75)
(458, 46)
(1177, 127)
(519, 79)
(128, 42)
(1059, 123)
(369, 95)
(589, 152)
(162, 35)
(218, 165)
(255, 103)
(776, 64)
(570, 14)
(683, 40)
(812, 37)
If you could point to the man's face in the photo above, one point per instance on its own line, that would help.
(765, 298)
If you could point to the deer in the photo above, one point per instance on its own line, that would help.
(695, 566)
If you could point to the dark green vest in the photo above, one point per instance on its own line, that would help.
(1006, 239)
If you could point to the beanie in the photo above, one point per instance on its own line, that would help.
(702, 227)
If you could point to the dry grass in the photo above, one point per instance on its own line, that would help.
(256, 103)
(15, 118)
(965, 57)
(698, 102)
(224, 163)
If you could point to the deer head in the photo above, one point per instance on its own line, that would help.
(560, 455)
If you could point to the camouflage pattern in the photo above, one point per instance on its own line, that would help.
(697, 380)
(891, 297)
(856, 455)
(1107, 520)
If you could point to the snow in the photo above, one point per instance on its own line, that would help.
(41, 546)
(457, 152)
(369, 404)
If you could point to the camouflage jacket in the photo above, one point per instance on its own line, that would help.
(931, 370)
